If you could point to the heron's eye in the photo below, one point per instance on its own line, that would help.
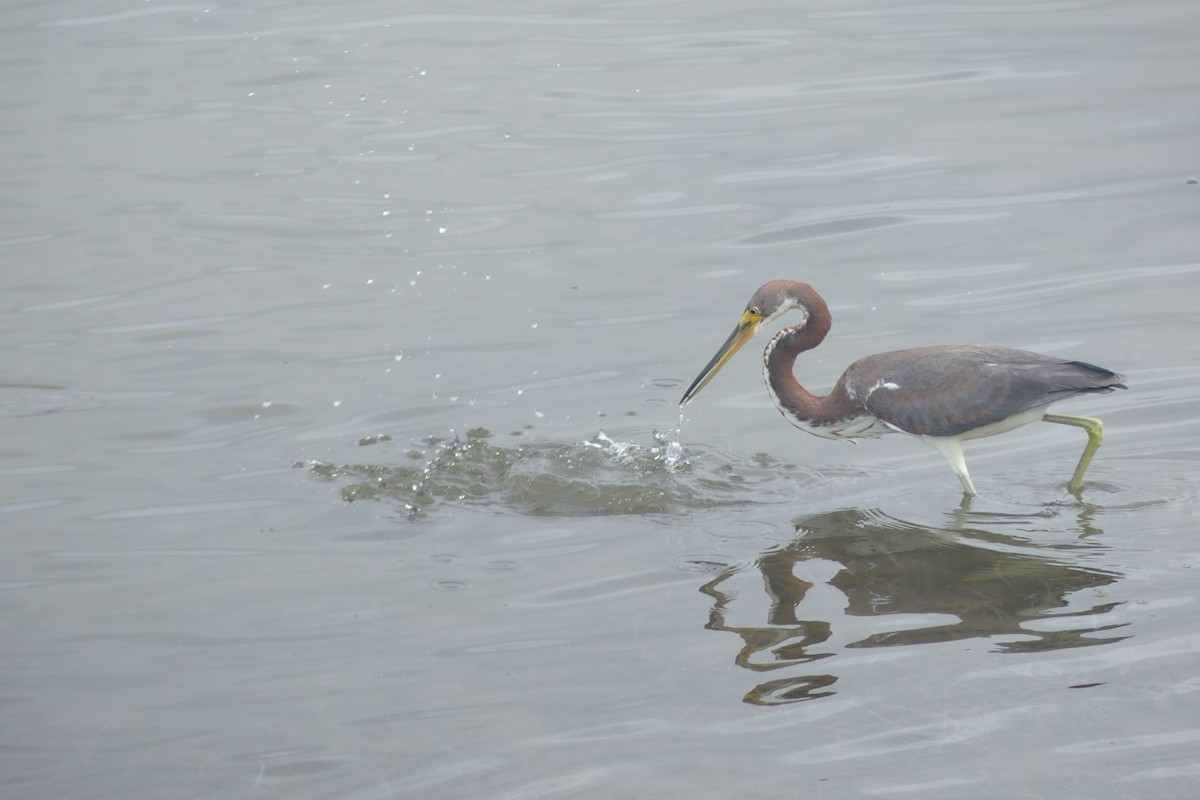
(756, 311)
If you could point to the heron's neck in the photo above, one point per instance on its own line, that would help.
(792, 399)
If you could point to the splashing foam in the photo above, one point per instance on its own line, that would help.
(668, 453)
(598, 476)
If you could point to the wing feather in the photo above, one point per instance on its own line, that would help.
(947, 391)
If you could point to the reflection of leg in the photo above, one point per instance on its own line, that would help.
(1095, 433)
(951, 448)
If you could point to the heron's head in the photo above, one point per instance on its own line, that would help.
(771, 301)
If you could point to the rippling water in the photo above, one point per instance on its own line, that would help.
(342, 455)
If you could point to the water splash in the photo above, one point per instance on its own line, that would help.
(674, 452)
(673, 455)
(597, 476)
(666, 451)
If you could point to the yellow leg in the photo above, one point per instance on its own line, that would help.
(1095, 433)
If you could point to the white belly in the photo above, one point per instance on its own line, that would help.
(1005, 425)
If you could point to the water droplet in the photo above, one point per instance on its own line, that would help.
(673, 454)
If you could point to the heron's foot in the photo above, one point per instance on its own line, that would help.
(1095, 434)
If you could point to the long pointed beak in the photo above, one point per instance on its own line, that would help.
(745, 329)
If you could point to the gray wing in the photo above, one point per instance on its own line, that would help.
(947, 391)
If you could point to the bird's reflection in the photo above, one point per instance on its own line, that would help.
(988, 584)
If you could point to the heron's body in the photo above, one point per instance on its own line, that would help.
(944, 395)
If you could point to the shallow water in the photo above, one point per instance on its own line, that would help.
(341, 452)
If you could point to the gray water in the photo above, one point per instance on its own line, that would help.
(343, 343)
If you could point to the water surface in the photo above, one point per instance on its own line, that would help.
(341, 455)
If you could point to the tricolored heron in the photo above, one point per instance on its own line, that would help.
(944, 395)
